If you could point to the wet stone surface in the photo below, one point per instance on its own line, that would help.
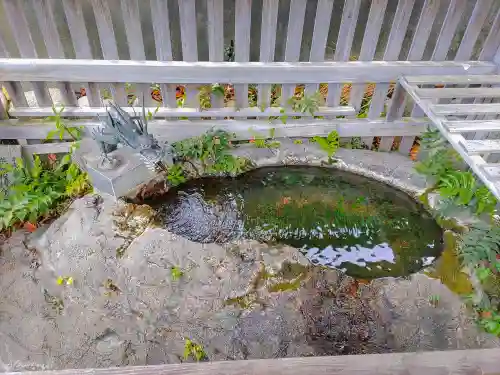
(337, 219)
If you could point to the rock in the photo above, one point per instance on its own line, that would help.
(139, 292)
(130, 220)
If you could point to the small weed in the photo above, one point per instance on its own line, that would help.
(56, 303)
(176, 273)
(176, 175)
(298, 141)
(150, 115)
(434, 300)
(120, 251)
(193, 350)
(74, 132)
(306, 103)
(110, 287)
(65, 280)
(330, 144)
(283, 117)
(260, 141)
(212, 150)
(490, 321)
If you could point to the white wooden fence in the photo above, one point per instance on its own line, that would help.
(34, 84)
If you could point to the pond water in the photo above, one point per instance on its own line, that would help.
(337, 219)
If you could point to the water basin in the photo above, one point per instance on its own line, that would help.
(335, 218)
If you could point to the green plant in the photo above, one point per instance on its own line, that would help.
(490, 321)
(298, 141)
(434, 300)
(283, 117)
(212, 151)
(481, 243)
(206, 91)
(443, 167)
(306, 103)
(176, 175)
(479, 247)
(176, 273)
(65, 280)
(330, 143)
(150, 115)
(75, 132)
(36, 190)
(110, 287)
(56, 303)
(261, 141)
(193, 350)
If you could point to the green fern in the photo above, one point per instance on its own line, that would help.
(480, 243)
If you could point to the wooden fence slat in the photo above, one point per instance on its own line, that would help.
(22, 35)
(450, 24)
(368, 46)
(492, 42)
(109, 47)
(215, 11)
(77, 28)
(425, 22)
(242, 45)
(476, 22)
(75, 70)
(452, 362)
(187, 15)
(105, 29)
(185, 112)
(163, 45)
(267, 45)
(32, 129)
(44, 11)
(344, 44)
(81, 44)
(161, 29)
(133, 31)
(14, 89)
(320, 36)
(392, 50)
(295, 29)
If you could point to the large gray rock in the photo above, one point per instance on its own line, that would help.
(239, 300)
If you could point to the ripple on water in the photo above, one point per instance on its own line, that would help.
(337, 219)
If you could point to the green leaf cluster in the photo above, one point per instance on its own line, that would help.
(36, 190)
(193, 350)
(330, 144)
(463, 189)
(443, 166)
(306, 103)
(61, 130)
(480, 244)
(261, 141)
(176, 175)
(479, 247)
(212, 150)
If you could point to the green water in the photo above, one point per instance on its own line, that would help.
(337, 219)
